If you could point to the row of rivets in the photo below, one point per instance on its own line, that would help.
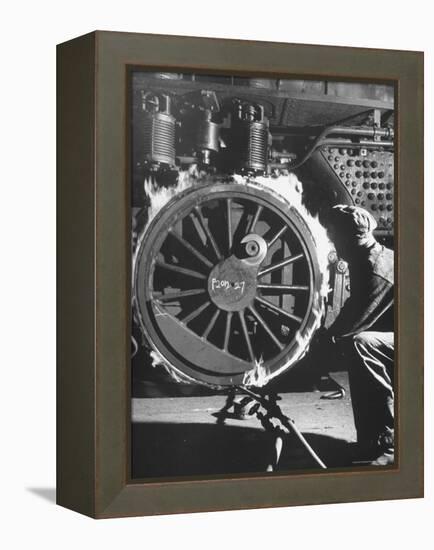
(374, 199)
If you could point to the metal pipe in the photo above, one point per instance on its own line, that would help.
(338, 142)
(321, 139)
(350, 144)
(274, 410)
(367, 131)
(343, 130)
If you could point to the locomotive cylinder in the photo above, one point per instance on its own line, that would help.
(159, 131)
(249, 138)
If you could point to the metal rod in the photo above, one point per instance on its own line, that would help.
(283, 288)
(195, 313)
(246, 335)
(255, 218)
(229, 221)
(369, 131)
(181, 270)
(280, 265)
(211, 324)
(191, 248)
(227, 330)
(266, 327)
(278, 309)
(181, 294)
(207, 232)
(277, 235)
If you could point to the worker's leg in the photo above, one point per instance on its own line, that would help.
(371, 380)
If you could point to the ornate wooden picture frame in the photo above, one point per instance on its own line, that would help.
(94, 273)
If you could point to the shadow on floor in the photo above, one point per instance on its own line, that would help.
(47, 493)
(166, 449)
(153, 382)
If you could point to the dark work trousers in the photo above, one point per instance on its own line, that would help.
(371, 373)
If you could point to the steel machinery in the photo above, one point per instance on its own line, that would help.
(232, 269)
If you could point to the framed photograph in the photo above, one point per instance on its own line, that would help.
(240, 274)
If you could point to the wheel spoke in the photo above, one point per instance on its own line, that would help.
(227, 330)
(211, 324)
(178, 295)
(282, 288)
(229, 221)
(255, 218)
(246, 335)
(277, 235)
(278, 309)
(207, 231)
(195, 312)
(191, 249)
(266, 327)
(163, 312)
(182, 270)
(280, 265)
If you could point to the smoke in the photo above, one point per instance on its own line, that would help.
(290, 188)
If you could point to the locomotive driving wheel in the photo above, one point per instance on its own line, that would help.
(226, 276)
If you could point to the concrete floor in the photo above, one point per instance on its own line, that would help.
(179, 436)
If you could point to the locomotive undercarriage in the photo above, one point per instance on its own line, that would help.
(233, 273)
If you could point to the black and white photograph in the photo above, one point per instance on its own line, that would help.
(262, 235)
(216, 236)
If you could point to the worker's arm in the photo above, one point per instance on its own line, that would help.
(364, 307)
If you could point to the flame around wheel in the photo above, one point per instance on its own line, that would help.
(227, 284)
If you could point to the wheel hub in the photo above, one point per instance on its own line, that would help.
(232, 284)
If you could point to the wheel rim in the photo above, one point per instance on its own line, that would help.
(226, 276)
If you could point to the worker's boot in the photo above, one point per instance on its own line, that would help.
(363, 452)
(385, 459)
(386, 450)
(374, 451)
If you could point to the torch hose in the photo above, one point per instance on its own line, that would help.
(287, 422)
